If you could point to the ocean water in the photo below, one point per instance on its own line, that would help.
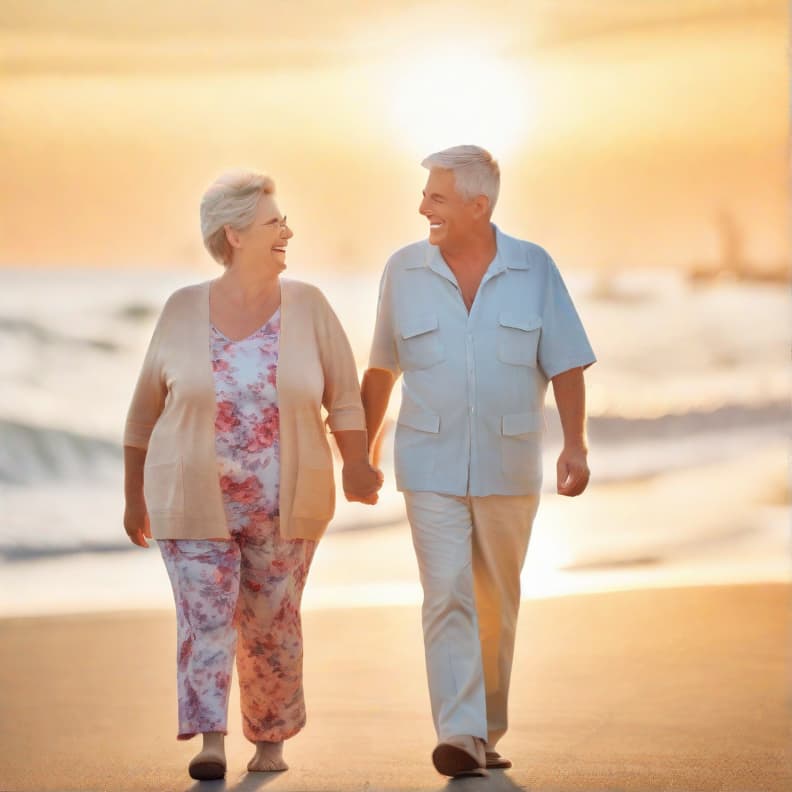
(688, 376)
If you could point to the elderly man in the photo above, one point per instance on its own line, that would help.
(478, 322)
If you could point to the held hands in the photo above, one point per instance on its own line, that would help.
(361, 482)
(136, 524)
(572, 471)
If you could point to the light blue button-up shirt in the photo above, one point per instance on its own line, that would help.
(474, 384)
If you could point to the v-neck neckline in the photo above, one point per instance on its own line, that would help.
(250, 335)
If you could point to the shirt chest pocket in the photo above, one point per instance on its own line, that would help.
(420, 346)
(518, 339)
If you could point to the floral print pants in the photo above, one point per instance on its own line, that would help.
(241, 595)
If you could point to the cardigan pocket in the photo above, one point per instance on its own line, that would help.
(314, 493)
(163, 487)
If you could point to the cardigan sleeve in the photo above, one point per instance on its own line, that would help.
(148, 398)
(341, 397)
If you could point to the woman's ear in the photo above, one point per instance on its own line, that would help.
(232, 236)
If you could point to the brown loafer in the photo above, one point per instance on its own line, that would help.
(460, 756)
(207, 770)
(497, 762)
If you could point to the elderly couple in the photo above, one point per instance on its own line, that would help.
(228, 465)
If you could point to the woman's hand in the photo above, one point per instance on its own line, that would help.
(361, 481)
(136, 523)
(136, 520)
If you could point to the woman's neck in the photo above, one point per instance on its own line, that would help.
(245, 284)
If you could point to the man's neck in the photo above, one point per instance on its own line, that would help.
(474, 252)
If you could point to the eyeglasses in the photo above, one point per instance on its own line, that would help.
(276, 222)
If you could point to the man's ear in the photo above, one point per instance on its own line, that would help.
(481, 206)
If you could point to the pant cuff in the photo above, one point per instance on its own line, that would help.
(271, 735)
(188, 735)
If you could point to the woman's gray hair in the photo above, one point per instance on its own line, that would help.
(476, 171)
(231, 200)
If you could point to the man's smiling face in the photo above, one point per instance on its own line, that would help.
(448, 213)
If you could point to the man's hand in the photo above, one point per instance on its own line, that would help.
(361, 482)
(136, 523)
(572, 471)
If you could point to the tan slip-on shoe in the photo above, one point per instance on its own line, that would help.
(460, 755)
(207, 769)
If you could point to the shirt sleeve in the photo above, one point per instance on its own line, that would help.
(384, 353)
(341, 397)
(563, 343)
(148, 399)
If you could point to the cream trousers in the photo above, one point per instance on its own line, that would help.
(470, 553)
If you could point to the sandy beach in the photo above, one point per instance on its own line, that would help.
(653, 653)
(658, 689)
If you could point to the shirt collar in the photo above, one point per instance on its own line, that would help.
(511, 252)
(509, 255)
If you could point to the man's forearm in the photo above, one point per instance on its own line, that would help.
(375, 394)
(569, 389)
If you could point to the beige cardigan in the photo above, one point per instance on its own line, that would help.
(173, 414)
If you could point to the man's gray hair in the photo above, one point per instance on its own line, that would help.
(476, 171)
(232, 199)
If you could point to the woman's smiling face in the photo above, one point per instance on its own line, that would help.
(267, 237)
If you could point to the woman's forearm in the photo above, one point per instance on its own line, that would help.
(352, 444)
(134, 460)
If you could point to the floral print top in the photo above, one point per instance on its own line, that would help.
(246, 424)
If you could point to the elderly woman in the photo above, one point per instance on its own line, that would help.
(228, 467)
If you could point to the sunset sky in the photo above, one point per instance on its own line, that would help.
(623, 129)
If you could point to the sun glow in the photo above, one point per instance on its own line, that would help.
(448, 97)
